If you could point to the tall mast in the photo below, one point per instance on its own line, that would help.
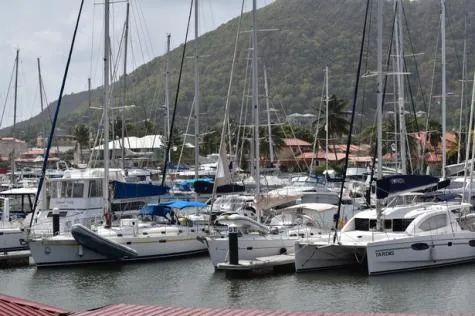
(89, 96)
(105, 184)
(379, 108)
(14, 115)
(269, 128)
(40, 82)
(444, 92)
(167, 95)
(379, 90)
(326, 118)
(464, 70)
(197, 97)
(400, 82)
(255, 99)
(124, 94)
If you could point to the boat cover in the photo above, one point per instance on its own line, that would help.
(123, 190)
(396, 184)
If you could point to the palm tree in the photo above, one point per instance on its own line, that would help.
(338, 124)
(81, 132)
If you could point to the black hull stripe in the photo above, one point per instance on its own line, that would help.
(20, 248)
(141, 258)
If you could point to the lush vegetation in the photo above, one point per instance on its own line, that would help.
(311, 34)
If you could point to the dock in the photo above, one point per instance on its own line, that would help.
(261, 265)
(15, 259)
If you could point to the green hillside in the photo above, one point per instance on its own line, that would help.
(310, 35)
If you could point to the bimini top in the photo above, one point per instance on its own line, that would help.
(161, 209)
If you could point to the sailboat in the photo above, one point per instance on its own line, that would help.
(396, 238)
(158, 234)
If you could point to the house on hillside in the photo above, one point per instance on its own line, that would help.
(8, 145)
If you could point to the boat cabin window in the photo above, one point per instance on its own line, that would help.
(434, 222)
(364, 224)
(400, 224)
(95, 188)
(388, 224)
(72, 189)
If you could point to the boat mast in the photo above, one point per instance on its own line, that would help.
(326, 118)
(255, 100)
(464, 70)
(444, 92)
(197, 97)
(124, 95)
(167, 95)
(14, 117)
(269, 128)
(40, 82)
(379, 109)
(400, 83)
(105, 184)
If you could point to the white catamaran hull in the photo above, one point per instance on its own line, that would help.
(420, 252)
(321, 256)
(65, 250)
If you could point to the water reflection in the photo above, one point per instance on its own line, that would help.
(192, 282)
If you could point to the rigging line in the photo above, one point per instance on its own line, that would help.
(244, 105)
(355, 98)
(184, 138)
(385, 86)
(50, 139)
(92, 40)
(293, 135)
(451, 29)
(176, 96)
(228, 95)
(8, 93)
(317, 127)
(436, 52)
(415, 63)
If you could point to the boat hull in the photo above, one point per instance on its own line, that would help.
(324, 256)
(250, 247)
(12, 239)
(420, 252)
(65, 250)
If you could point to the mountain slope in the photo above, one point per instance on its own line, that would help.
(311, 34)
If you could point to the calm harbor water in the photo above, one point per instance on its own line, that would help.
(192, 282)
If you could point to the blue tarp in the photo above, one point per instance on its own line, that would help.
(124, 190)
(162, 209)
(186, 185)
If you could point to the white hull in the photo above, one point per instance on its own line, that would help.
(420, 252)
(65, 250)
(250, 247)
(12, 239)
(324, 256)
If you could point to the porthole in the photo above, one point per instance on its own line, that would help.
(420, 246)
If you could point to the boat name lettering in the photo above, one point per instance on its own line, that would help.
(397, 180)
(384, 253)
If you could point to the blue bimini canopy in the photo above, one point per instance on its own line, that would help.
(162, 209)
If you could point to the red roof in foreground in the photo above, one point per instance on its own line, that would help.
(132, 310)
(12, 306)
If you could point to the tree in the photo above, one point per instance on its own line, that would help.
(81, 132)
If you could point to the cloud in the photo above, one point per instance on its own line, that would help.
(44, 29)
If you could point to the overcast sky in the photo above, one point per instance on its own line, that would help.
(44, 28)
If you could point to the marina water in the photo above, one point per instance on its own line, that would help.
(192, 282)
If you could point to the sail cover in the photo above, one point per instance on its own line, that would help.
(392, 185)
(126, 191)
